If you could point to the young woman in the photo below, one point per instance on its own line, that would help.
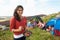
(18, 24)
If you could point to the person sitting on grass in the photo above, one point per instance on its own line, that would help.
(34, 23)
(40, 24)
(30, 24)
(50, 29)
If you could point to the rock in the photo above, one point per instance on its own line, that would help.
(3, 27)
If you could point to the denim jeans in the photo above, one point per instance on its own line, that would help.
(22, 38)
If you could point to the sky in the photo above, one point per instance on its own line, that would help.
(31, 7)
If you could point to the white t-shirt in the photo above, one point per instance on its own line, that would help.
(18, 36)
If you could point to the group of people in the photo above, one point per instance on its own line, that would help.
(32, 23)
(19, 24)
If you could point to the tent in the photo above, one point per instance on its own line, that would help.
(57, 24)
(51, 22)
(54, 22)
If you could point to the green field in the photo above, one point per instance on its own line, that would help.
(37, 34)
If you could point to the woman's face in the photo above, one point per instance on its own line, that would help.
(39, 22)
(19, 11)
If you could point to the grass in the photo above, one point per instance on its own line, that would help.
(37, 34)
(6, 35)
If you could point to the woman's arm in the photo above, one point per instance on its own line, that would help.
(12, 25)
(15, 30)
(18, 30)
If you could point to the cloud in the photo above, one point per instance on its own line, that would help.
(6, 8)
(31, 7)
(43, 2)
(1, 1)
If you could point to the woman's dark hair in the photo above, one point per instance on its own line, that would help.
(15, 13)
(39, 19)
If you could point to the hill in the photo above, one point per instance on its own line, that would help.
(48, 17)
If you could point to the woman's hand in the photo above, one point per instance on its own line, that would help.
(48, 30)
(21, 28)
(27, 33)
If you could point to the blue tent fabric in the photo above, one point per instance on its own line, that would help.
(55, 22)
(51, 22)
(57, 25)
